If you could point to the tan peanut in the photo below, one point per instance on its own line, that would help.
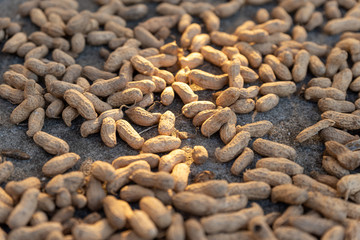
(129, 134)
(214, 123)
(233, 148)
(142, 117)
(60, 164)
(108, 132)
(180, 173)
(159, 180)
(167, 123)
(133, 193)
(242, 161)
(51, 144)
(191, 109)
(78, 101)
(273, 178)
(199, 154)
(273, 149)
(124, 161)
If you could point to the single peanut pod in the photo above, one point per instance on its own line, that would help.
(280, 164)
(156, 211)
(114, 212)
(142, 225)
(266, 73)
(301, 62)
(336, 232)
(167, 123)
(213, 55)
(235, 77)
(273, 178)
(317, 67)
(233, 148)
(127, 96)
(180, 174)
(267, 102)
(223, 38)
(23, 211)
(273, 149)
(13, 95)
(176, 230)
(123, 174)
(50, 144)
(60, 164)
(289, 194)
(252, 55)
(330, 207)
(207, 80)
(334, 60)
(211, 21)
(167, 96)
(142, 117)
(69, 114)
(191, 109)
(193, 60)
(214, 123)
(316, 93)
(280, 70)
(281, 89)
(242, 161)
(343, 120)
(213, 188)
(133, 193)
(54, 109)
(314, 129)
(7, 168)
(146, 38)
(230, 222)
(167, 162)
(262, 15)
(185, 92)
(12, 45)
(253, 190)
(129, 134)
(194, 203)
(100, 230)
(342, 79)
(36, 121)
(108, 132)
(104, 88)
(202, 116)
(78, 101)
(103, 171)
(199, 154)
(260, 229)
(243, 106)
(123, 161)
(199, 41)
(304, 181)
(159, 180)
(143, 65)
(161, 143)
(332, 166)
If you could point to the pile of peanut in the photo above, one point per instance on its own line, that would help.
(148, 196)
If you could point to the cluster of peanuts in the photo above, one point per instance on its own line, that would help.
(148, 196)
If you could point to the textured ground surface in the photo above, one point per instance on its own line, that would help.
(289, 117)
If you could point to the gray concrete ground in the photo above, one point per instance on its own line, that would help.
(291, 116)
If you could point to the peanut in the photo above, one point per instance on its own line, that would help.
(167, 123)
(50, 144)
(161, 143)
(60, 164)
